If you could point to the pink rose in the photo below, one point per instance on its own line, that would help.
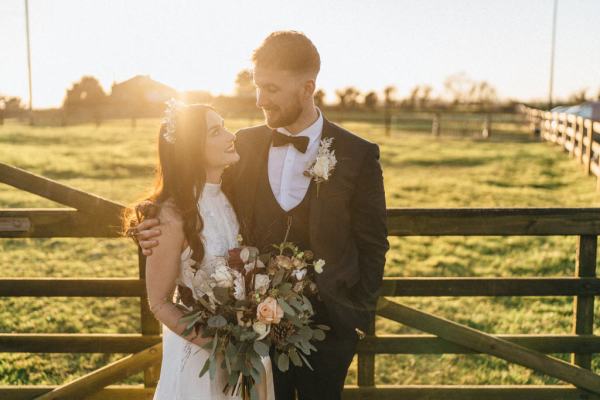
(269, 312)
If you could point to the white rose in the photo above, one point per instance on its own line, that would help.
(319, 266)
(321, 168)
(248, 254)
(245, 254)
(239, 286)
(261, 283)
(201, 285)
(262, 329)
(222, 276)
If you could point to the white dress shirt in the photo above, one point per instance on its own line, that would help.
(287, 166)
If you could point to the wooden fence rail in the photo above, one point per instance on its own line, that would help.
(528, 350)
(579, 137)
(451, 123)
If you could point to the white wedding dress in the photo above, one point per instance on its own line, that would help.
(183, 360)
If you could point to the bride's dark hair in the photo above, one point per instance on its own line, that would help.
(180, 175)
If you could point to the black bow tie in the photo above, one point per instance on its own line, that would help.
(299, 142)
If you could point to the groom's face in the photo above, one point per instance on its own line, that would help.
(278, 95)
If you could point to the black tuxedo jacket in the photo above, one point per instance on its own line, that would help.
(347, 220)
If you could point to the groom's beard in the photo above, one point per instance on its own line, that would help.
(277, 118)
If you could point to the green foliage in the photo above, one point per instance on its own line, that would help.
(117, 162)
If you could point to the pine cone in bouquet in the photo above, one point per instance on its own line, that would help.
(281, 332)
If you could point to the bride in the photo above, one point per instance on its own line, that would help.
(197, 225)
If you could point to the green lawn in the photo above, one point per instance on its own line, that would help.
(117, 162)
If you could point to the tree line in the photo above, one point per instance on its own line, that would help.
(141, 96)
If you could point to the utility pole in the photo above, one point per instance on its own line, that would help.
(29, 61)
(552, 55)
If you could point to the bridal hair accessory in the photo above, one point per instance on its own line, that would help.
(169, 119)
(321, 169)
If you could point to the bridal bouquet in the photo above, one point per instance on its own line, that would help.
(249, 304)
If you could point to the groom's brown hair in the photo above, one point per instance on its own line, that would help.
(288, 50)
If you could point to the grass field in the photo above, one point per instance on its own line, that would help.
(117, 162)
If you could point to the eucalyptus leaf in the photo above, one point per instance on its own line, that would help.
(228, 364)
(208, 345)
(323, 327)
(257, 364)
(217, 321)
(297, 304)
(318, 334)
(285, 288)
(230, 350)
(213, 368)
(306, 361)
(245, 370)
(233, 378)
(253, 393)
(278, 278)
(248, 335)
(188, 330)
(215, 343)
(283, 362)
(295, 338)
(295, 358)
(305, 332)
(190, 317)
(261, 348)
(286, 307)
(302, 346)
(205, 367)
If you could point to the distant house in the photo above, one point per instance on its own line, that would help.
(139, 96)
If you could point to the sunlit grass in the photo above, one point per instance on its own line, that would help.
(117, 162)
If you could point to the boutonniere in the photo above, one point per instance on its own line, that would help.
(322, 168)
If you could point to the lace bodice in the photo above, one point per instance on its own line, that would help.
(220, 233)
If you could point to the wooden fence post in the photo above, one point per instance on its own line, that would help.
(583, 306)
(589, 138)
(387, 120)
(487, 126)
(436, 124)
(150, 325)
(580, 134)
(571, 134)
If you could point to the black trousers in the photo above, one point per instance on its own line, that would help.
(330, 365)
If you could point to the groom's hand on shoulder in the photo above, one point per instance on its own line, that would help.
(148, 234)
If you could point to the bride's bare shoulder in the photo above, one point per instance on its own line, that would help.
(169, 215)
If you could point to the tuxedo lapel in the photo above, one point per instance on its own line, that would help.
(316, 199)
(257, 157)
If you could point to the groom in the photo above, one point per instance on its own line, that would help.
(342, 219)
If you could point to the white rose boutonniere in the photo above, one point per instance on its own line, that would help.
(323, 166)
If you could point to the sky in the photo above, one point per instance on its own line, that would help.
(369, 44)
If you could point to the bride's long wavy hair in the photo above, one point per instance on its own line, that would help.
(180, 175)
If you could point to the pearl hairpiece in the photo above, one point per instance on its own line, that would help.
(169, 119)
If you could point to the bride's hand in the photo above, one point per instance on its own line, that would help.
(147, 234)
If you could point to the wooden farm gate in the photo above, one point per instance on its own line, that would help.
(91, 216)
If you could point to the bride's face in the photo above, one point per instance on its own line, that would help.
(220, 149)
